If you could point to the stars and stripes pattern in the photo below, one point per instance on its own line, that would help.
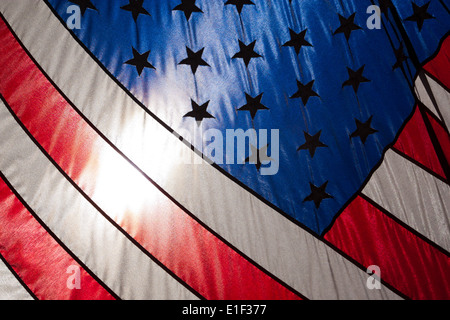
(95, 178)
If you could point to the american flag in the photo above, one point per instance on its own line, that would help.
(110, 189)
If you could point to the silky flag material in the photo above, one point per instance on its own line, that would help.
(224, 150)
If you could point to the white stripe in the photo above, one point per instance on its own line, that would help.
(434, 96)
(10, 287)
(414, 196)
(96, 242)
(278, 245)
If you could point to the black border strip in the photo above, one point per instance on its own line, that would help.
(165, 193)
(404, 225)
(14, 273)
(47, 229)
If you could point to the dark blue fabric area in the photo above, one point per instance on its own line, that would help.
(110, 33)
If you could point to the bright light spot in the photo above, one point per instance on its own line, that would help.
(121, 191)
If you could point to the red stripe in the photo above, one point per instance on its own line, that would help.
(407, 262)
(30, 250)
(194, 254)
(415, 142)
(442, 136)
(439, 67)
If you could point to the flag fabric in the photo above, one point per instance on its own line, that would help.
(121, 175)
